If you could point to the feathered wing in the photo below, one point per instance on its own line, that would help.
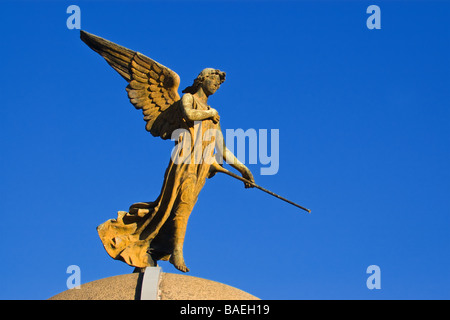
(152, 87)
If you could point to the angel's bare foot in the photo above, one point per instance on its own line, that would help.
(178, 261)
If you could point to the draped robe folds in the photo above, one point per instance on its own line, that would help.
(132, 238)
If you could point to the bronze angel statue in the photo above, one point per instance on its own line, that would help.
(153, 231)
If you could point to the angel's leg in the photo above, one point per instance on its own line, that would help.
(180, 225)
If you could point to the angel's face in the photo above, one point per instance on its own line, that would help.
(211, 83)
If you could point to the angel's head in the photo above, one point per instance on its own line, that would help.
(209, 80)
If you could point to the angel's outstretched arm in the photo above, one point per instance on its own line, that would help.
(197, 115)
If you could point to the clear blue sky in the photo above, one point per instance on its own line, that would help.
(363, 117)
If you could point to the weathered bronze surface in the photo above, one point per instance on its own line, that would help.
(153, 231)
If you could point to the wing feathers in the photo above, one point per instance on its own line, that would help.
(152, 87)
(144, 61)
(137, 94)
(138, 67)
(136, 85)
(117, 56)
(157, 68)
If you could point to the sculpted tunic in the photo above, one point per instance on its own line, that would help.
(132, 237)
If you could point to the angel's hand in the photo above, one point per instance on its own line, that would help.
(246, 173)
(215, 116)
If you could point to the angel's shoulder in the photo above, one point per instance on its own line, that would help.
(187, 99)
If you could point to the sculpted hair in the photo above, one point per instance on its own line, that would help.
(202, 75)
